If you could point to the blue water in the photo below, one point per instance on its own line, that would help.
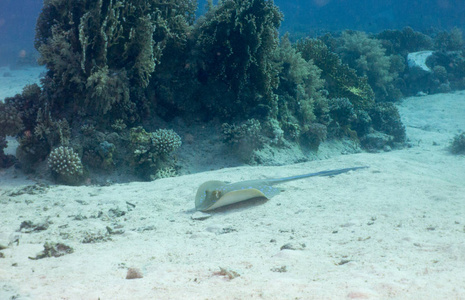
(18, 17)
(17, 28)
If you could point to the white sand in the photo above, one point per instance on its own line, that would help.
(395, 230)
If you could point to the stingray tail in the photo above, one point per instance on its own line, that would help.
(321, 173)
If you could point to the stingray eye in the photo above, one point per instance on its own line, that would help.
(213, 195)
(217, 194)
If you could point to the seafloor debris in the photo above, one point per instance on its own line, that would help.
(134, 273)
(228, 273)
(53, 250)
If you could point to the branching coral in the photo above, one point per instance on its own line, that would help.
(151, 150)
(51, 131)
(65, 165)
(165, 141)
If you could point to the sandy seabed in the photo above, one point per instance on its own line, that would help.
(395, 230)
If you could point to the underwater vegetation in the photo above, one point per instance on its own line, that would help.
(368, 58)
(446, 64)
(458, 144)
(122, 74)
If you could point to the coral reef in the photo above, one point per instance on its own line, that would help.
(165, 141)
(103, 54)
(235, 42)
(36, 144)
(10, 125)
(300, 97)
(386, 118)
(340, 80)
(6, 160)
(315, 135)
(404, 41)
(151, 150)
(243, 139)
(449, 41)
(10, 120)
(448, 52)
(116, 67)
(66, 165)
(105, 150)
(164, 173)
(342, 115)
(368, 57)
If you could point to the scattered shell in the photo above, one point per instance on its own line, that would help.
(293, 246)
(198, 215)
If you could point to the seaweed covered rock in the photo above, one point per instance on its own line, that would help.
(243, 139)
(106, 150)
(10, 125)
(342, 115)
(458, 144)
(27, 105)
(65, 165)
(6, 160)
(342, 111)
(36, 144)
(448, 69)
(386, 118)
(314, 136)
(10, 120)
(376, 141)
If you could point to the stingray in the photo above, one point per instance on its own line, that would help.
(213, 194)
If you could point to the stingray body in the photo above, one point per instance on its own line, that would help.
(213, 194)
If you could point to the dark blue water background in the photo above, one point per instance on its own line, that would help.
(18, 17)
